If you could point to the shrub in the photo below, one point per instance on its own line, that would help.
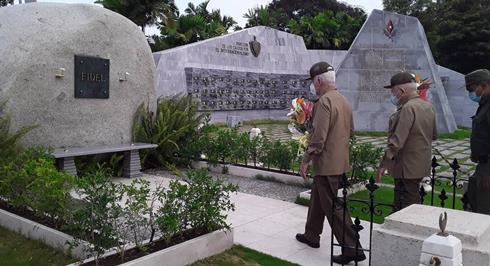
(201, 142)
(90, 163)
(171, 128)
(208, 201)
(202, 203)
(96, 219)
(136, 211)
(16, 176)
(172, 217)
(363, 156)
(49, 192)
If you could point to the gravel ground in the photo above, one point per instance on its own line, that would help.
(253, 186)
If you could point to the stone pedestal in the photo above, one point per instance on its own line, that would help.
(446, 249)
(400, 239)
(68, 165)
(131, 164)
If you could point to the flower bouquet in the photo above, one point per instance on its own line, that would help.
(423, 86)
(300, 118)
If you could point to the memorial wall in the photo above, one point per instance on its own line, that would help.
(255, 73)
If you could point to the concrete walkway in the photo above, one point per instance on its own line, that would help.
(270, 225)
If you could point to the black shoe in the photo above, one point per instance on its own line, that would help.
(345, 259)
(301, 238)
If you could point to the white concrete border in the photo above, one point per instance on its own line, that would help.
(252, 173)
(37, 231)
(182, 254)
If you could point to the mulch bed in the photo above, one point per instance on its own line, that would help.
(115, 259)
(155, 246)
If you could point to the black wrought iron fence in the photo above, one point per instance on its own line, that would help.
(369, 206)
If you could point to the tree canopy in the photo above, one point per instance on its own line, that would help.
(324, 24)
(6, 2)
(197, 24)
(458, 31)
(142, 12)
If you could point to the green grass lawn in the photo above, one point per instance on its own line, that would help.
(16, 250)
(439, 186)
(459, 134)
(384, 195)
(239, 255)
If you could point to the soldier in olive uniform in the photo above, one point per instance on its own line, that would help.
(328, 150)
(411, 131)
(478, 87)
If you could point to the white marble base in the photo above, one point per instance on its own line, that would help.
(446, 248)
(400, 238)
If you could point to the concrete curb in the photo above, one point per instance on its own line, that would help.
(37, 231)
(352, 190)
(182, 254)
(252, 173)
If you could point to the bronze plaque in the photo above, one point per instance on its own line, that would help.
(91, 77)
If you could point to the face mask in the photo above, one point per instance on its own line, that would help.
(472, 95)
(312, 89)
(394, 100)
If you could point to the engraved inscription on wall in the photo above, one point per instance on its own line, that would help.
(233, 90)
(91, 77)
(238, 48)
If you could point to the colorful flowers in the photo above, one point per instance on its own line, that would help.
(300, 117)
(423, 87)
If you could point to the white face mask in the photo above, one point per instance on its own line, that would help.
(394, 100)
(312, 89)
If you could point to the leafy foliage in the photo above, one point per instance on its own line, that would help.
(142, 12)
(323, 24)
(94, 219)
(197, 24)
(171, 128)
(208, 201)
(202, 203)
(31, 181)
(89, 163)
(326, 30)
(457, 30)
(362, 157)
(6, 2)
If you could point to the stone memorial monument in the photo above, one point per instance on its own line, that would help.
(255, 73)
(77, 71)
(389, 43)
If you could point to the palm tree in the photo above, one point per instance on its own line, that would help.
(142, 12)
(6, 2)
(198, 23)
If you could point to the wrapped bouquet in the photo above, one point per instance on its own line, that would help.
(300, 118)
(423, 86)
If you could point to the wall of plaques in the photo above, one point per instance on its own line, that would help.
(223, 90)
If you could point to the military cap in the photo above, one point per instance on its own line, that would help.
(319, 68)
(476, 77)
(401, 78)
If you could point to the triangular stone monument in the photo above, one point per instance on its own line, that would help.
(386, 44)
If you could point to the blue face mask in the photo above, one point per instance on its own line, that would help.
(394, 100)
(472, 95)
